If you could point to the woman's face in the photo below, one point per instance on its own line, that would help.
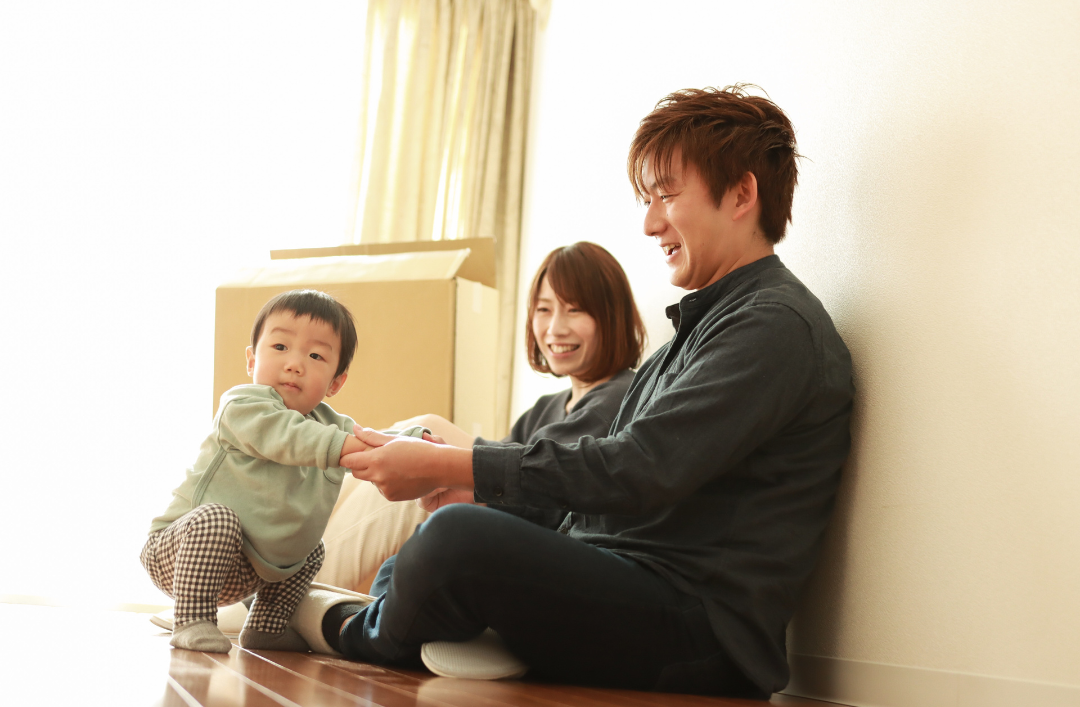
(566, 335)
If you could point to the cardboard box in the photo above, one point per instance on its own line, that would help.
(426, 335)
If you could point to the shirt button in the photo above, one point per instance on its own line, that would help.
(498, 491)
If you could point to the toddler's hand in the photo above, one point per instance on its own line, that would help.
(428, 437)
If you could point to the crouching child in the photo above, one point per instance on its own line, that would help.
(250, 514)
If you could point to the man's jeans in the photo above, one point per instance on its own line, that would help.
(573, 612)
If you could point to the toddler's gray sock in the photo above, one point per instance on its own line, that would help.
(290, 640)
(201, 636)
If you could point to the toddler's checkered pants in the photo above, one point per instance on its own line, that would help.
(198, 562)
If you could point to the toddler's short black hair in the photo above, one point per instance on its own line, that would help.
(319, 306)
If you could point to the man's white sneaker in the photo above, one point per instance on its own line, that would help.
(483, 658)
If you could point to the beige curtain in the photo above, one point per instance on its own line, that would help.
(442, 134)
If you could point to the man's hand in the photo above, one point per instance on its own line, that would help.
(404, 468)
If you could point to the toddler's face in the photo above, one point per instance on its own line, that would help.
(297, 357)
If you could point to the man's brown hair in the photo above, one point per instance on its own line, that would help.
(724, 133)
(588, 277)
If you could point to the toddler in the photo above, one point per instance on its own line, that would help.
(250, 515)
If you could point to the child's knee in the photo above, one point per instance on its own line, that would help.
(214, 519)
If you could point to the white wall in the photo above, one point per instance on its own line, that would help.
(145, 150)
(938, 219)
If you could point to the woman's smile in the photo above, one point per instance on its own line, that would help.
(559, 349)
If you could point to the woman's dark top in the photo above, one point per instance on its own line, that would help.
(547, 419)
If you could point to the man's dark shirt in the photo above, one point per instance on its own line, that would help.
(547, 419)
(721, 469)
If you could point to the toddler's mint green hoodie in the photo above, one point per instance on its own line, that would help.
(275, 468)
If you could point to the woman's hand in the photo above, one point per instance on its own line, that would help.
(418, 421)
(442, 427)
(445, 497)
(404, 468)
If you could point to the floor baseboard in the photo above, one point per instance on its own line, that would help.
(865, 684)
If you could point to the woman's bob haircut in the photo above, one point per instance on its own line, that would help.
(588, 277)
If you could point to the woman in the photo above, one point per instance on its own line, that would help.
(582, 323)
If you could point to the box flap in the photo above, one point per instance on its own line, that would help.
(430, 265)
(478, 267)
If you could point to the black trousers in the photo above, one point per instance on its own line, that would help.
(573, 612)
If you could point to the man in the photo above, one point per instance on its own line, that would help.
(692, 525)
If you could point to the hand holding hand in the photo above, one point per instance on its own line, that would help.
(404, 468)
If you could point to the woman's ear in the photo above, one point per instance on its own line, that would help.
(336, 384)
(250, 353)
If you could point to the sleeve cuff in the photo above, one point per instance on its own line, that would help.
(497, 475)
(333, 454)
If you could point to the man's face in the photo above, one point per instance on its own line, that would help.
(297, 357)
(696, 235)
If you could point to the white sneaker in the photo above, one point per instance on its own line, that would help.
(483, 658)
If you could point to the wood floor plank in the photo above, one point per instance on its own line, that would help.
(577, 695)
(556, 696)
(124, 660)
(460, 693)
(269, 678)
(380, 688)
(177, 696)
(469, 692)
(631, 698)
(511, 693)
(207, 679)
(526, 693)
(792, 701)
(351, 676)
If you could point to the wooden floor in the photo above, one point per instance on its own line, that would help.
(55, 656)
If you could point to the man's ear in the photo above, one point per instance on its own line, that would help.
(335, 386)
(746, 195)
(250, 353)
